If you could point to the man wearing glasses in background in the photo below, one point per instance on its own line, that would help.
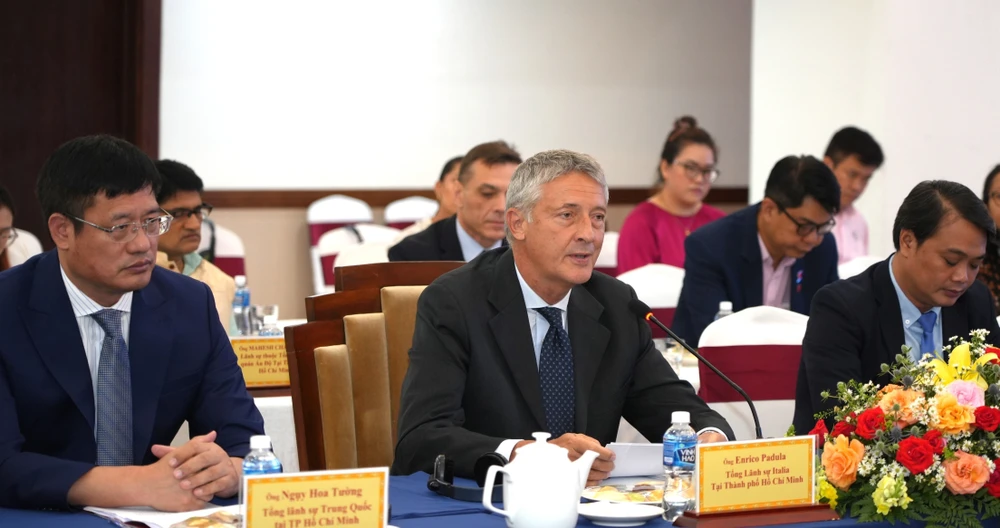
(104, 355)
(778, 252)
(180, 197)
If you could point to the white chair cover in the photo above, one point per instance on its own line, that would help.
(607, 261)
(409, 210)
(366, 253)
(658, 285)
(327, 214)
(337, 240)
(25, 246)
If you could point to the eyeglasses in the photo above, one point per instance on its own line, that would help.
(153, 227)
(807, 228)
(181, 214)
(7, 237)
(693, 171)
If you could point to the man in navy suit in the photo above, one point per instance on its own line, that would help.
(778, 252)
(104, 355)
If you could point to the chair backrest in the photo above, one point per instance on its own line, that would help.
(607, 261)
(336, 405)
(856, 266)
(25, 246)
(365, 337)
(329, 213)
(405, 211)
(332, 306)
(230, 255)
(399, 305)
(367, 253)
(334, 242)
(759, 348)
(391, 274)
(301, 342)
(659, 286)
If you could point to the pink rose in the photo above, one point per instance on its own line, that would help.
(967, 393)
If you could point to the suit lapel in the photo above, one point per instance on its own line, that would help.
(589, 339)
(797, 287)
(54, 330)
(448, 244)
(753, 276)
(150, 345)
(513, 334)
(890, 317)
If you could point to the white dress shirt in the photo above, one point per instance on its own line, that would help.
(539, 327)
(90, 332)
(470, 248)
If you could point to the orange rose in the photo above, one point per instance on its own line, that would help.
(965, 474)
(903, 398)
(887, 389)
(840, 461)
(953, 417)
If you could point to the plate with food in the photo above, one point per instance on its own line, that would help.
(635, 490)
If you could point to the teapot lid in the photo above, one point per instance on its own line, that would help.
(541, 448)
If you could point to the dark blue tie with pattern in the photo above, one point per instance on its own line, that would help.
(555, 372)
(114, 394)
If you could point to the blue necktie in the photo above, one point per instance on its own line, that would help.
(555, 372)
(927, 344)
(114, 394)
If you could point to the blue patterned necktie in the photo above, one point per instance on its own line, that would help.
(114, 394)
(927, 345)
(555, 372)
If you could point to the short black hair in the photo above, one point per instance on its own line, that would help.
(85, 167)
(493, 153)
(450, 166)
(794, 178)
(854, 141)
(989, 183)
(176, 177)
(6, 200)
(931, 201)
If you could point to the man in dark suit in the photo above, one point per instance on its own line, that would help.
(478, 225)
(921, 296)
(492, 360)
(104, 355)
(778, 252)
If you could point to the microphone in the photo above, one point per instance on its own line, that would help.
(642, 310)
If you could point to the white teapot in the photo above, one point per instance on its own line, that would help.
(541, 487)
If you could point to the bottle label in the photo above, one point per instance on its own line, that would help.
(679, 454)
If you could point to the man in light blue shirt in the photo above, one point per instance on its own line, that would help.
(922, 331)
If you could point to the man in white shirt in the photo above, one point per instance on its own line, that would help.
(478, 225)
(853, 155)
(529, 339)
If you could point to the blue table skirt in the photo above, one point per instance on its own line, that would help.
(413, 506)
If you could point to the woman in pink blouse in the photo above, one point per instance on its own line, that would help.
(655, 230)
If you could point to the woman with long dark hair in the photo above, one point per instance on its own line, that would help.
(989, 272)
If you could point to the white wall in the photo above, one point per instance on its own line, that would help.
(920, 75)
(318, 94)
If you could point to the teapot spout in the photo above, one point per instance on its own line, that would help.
(583, 464)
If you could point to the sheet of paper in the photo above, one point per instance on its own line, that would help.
(637, 460)
(154, 518)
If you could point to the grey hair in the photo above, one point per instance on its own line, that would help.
(526, 185)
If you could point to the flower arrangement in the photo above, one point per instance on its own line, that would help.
(922, 448)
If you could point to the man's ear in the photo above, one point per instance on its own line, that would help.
(516, 223)
(62, 231)
(907, 242)
(828, 161)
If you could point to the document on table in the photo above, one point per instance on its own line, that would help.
(637, 460)
(154, 518)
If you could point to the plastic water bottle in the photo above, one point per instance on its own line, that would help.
(725, 308)
(241, 306)
(260, 460)
(678, 466)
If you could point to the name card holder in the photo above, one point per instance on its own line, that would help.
(263, 361)
(351, 497)
(756, 483)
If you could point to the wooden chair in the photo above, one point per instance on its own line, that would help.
(399, 305)
(330, 306)
(336, 407)
(385, 274)
(301, 342)
(369, 368)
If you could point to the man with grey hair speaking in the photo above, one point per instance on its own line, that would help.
(531, 339)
